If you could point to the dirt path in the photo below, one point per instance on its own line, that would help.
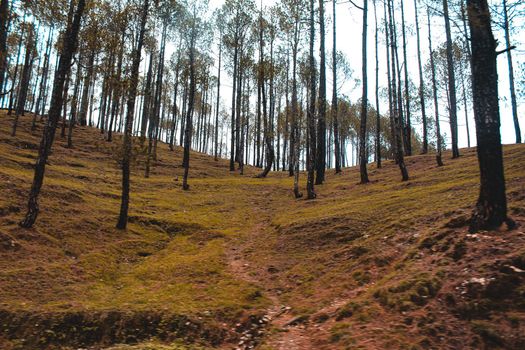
(282, 329)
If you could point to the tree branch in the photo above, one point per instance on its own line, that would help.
(506, 50)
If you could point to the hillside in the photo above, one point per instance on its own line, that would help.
(238, 262)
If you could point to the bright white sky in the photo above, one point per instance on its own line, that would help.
(349, 29)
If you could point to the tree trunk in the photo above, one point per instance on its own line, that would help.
(64, 110)
(191, 101)
(421, 91)
(335, 103)
(4, 20)
(238, 106)
(320, 162)
(41, 102)
(268, 127)
(295, 142)
(389, 82)
(132, 95)
(435, 94)
(175, 95)
(310, 121)
(363, 159)
(147, 101)
(24, 80)
(73, 114)
(85, 93)
(69, 47)
(491, 209)
(378, 114)
(451, 84)
(116, 90)
(217, 108)
(408, 123)
(232, 138)
(511, 75)
(15, 75)
(395, 111)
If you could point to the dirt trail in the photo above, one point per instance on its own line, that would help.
(288, 332)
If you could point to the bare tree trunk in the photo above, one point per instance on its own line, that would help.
(84, 104)
(378, 114)
(363, 159)
(511, 75)
(435, 94)
(15, 75)
(238, 106)
(191, 101)
(335, 106)
(294, 146)
(465, 105)
(73, 113)
(389, 80)
(147, 101)
(451, 84)
(320, 162)
(64, 107)
(395, 111)
(408, 124)
(268, 133)
(232, 139)
(69, 47)
(117, 89)
(175, 95)
(132, 95)
(310, 119)
(216, 134)
(421, 91)
(491, 208)
(4, 20)
(41, 101)
(24, 80)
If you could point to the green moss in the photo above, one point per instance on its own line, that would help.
(340, 333)
(409, 294)
(362, 277)
(490, 335)
(460, 249)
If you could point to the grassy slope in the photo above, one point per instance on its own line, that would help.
(386, 265)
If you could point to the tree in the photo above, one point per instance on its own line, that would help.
(236, 19)
(434, 93)
(310, 161)
(395, 110)
(378, 115)
(132, 95)
(408, 125)
(451, 84)
(264, 69)
(363, 158)
(291, 18)
(506, 27)
(196, 27)
(217, 107)
(335, 117)
(321, 121)
(4, 20)
(69, 46)
(421, 84)
(491, 208)
(26, 76)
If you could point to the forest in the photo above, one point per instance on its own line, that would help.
(149, 147)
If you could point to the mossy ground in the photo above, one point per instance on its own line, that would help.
(382, 265)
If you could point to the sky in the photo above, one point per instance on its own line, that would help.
(349, 29)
